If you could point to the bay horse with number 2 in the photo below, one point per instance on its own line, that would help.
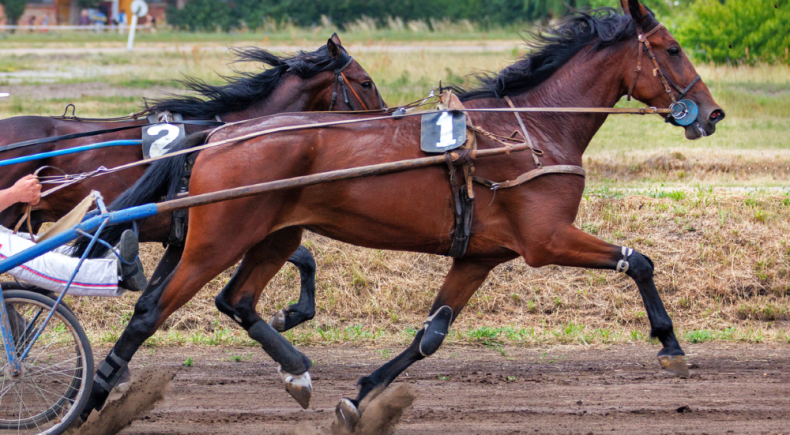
(587, 61)
(323, 80)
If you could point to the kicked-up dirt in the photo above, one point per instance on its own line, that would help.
(733, 388)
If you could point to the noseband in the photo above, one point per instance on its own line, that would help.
(684, 111)
(345, 86)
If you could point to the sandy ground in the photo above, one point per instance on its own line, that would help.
(734, 388)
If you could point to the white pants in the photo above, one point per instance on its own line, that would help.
(51, 271)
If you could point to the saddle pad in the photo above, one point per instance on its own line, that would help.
(442, 131)
(160, 138)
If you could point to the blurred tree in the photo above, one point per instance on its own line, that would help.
(743, 31)
(205, 15)
(13, 10)
(229, 13)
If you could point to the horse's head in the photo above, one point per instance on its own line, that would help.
(353, 88)
(663, 76)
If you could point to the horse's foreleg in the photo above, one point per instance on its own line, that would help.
(303, 310)
(151, 310)
(464, 278)
(572, 247)
(167, 264)
(238, 300)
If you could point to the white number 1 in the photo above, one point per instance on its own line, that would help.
(445, 123)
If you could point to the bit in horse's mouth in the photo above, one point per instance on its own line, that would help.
(701, 130)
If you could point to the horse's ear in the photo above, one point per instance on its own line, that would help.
(638, 11)
(333, 45)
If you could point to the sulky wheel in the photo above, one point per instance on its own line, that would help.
(54, 384)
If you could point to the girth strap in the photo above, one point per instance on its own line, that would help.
(531, 175)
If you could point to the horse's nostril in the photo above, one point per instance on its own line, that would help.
(716, 116)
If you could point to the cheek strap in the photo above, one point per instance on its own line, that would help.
(622, 265)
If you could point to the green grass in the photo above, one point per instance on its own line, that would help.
(490, 337)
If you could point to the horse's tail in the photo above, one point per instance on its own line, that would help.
(161, 179)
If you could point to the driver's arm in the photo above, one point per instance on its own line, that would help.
(26, 189)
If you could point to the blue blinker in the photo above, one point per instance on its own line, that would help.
(684, 112)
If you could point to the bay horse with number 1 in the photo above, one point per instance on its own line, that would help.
(590, 61)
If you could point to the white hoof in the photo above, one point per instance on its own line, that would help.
(347, 415)
(298, 386)
(278, 321)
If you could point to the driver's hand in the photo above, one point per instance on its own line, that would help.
(27, 190)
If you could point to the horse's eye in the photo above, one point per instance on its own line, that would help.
(674, 52)
(367, 85)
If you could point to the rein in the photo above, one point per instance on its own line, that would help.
(396, 114)
(52, 139)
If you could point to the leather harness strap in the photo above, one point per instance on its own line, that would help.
(525, 132)
(531, 175)
(644, 46)
(52, 139)
(364, 106)
(463, 193)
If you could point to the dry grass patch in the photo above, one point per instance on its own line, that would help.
(691, 167)
(722, 268)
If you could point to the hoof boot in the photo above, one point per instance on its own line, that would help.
(278, 321)
(675, 364)
(298, 386)
(347, 415)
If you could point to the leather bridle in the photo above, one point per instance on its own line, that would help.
(345, 86)
(678, 105)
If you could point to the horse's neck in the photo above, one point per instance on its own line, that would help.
(582, 82)
(291, 95)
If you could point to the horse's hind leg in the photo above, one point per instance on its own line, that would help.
(303, 310)
(464, 278)
(239, 297)
(152, 309)
(572, 247)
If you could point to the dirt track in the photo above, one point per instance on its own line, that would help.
(734, 388)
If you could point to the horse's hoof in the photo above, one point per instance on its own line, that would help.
(298, 386)
(278, 321)
(675, 364)
(347, 414)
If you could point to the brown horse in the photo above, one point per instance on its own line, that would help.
(306, 81)
(303, 82)
(587, 61)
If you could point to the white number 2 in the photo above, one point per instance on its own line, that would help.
(445, 124)
(159, 147)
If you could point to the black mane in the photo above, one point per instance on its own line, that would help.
(246, 89)
(551, 49)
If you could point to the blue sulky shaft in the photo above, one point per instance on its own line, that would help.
(116, 217)
(42, 156)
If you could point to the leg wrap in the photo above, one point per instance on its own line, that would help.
(622, 265)
(109, 373)
(435, 327)
(292, 361)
